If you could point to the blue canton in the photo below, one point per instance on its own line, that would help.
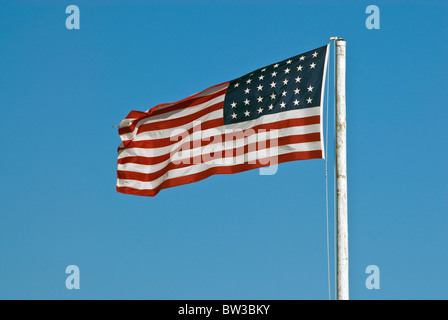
(294, 83)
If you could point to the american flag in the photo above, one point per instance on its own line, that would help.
(269, 116)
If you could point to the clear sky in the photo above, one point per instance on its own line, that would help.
(241, 236)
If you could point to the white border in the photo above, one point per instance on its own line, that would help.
(322, 94)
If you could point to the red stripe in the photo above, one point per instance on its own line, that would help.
(303, 155)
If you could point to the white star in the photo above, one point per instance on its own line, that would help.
(249, 81)
(260, 87)
(284, 93)
(289, 61)
(302, 58)
(273, 74)
(260, 99)
(276, 65)
(296, 91)
(271, 106)
(299, 68)
(273, 84)
(260, 110)
(287, 70)
(246, 102)
(312, 65)
(246, 91)
(315, 54)
(233, 104)
(273, 96)
(236, 85)
(309, 100)
(234, 115)
(282, 105)
(298, 79)
(310, 89)
(285, 82)
(246, 113)
(261, 77)
(263, 70)
(296, 102)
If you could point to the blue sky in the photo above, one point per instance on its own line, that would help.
(241, 236)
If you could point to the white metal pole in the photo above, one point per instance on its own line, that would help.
(341, 173)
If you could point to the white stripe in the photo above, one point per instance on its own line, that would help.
(310, 146)
(125, 122)
(185, 155)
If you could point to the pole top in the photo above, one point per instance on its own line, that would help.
(337, 39)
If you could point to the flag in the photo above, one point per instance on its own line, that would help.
(269, 116)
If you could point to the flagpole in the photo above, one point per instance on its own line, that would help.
(341, 174)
